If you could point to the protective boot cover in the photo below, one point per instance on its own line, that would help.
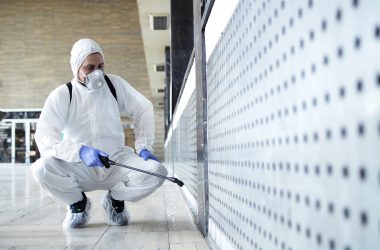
(112, 217)
(75, 220)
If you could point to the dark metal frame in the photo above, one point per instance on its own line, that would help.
(201, 12)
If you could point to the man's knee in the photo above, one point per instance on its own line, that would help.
(162, 170)
(158, 168)
(40, 167)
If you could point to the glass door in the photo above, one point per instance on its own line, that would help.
(17, 129)
(22, 141)
(5, 142)
(19, 143)
(34, 154)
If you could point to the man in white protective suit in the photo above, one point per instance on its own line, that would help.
(81, 122)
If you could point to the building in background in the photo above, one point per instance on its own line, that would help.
(37, 37)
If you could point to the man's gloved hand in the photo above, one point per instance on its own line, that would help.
(90, 156)
(146, 154)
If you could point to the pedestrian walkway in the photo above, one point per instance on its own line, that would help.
(30, 219)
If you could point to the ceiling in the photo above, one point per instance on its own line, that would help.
(154, 43)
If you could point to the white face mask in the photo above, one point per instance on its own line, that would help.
(94, 80)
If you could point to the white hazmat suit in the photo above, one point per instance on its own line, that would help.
(92, 118)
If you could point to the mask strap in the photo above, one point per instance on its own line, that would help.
(80, 81)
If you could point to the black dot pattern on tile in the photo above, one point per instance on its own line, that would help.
(183, 149)
(292, 126)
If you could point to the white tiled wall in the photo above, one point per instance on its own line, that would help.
(293, 127)
(181, 144)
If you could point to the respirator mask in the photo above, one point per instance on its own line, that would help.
(94, 80)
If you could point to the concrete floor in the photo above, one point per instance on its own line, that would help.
(30, 219)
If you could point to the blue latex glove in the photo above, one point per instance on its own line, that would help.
(146, 154)
(90, 156)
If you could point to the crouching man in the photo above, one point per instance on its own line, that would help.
(86, 112)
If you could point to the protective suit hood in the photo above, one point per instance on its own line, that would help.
(81, 49)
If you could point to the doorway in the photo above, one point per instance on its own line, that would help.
(17, 131)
